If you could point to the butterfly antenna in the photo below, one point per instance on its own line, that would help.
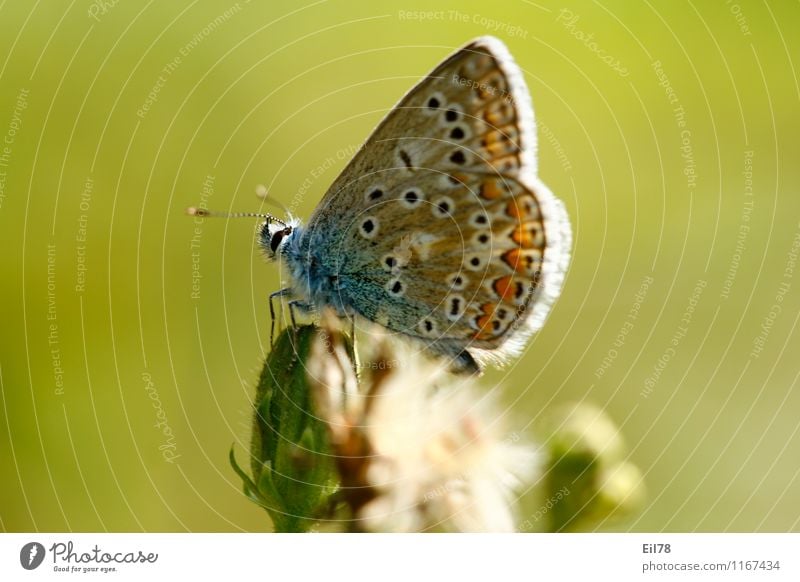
(261, 192)
(194, 211)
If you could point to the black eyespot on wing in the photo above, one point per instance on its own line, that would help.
(455, 306)
(458, 157)
(406, 159)
(411, 197)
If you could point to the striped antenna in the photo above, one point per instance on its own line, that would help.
(261, 192)
(194, 211)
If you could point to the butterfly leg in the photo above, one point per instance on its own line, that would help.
(353, 330)
(282, 293)
(300, 305)
(354, 350)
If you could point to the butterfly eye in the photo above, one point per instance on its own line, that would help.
(278, 237)
(276, 240)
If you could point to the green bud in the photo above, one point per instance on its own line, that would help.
(621, 490)
(293, 474)
(586, 465)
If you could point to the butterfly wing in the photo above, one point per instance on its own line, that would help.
(439, 228)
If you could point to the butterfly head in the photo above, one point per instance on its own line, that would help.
(273, 236)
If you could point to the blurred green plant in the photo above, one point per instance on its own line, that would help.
(588, 480)
(407, 447)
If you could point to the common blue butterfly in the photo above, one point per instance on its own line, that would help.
(439, 228)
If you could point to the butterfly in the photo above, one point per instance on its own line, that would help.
(438, 229)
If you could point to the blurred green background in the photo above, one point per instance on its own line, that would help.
(668, 128)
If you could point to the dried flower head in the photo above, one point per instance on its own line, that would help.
(416, 449)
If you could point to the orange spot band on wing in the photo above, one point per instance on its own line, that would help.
(484, 322)
(506, 163)
(525, 262)
(528, 235)
(490, 190)
(513, 259)
(505, 287)
(501, 113)
(522, 208)
(513, 210)
(521, 237)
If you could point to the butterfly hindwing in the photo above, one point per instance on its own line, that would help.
(438, 228)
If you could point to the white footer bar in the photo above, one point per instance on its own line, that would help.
(415, 558)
